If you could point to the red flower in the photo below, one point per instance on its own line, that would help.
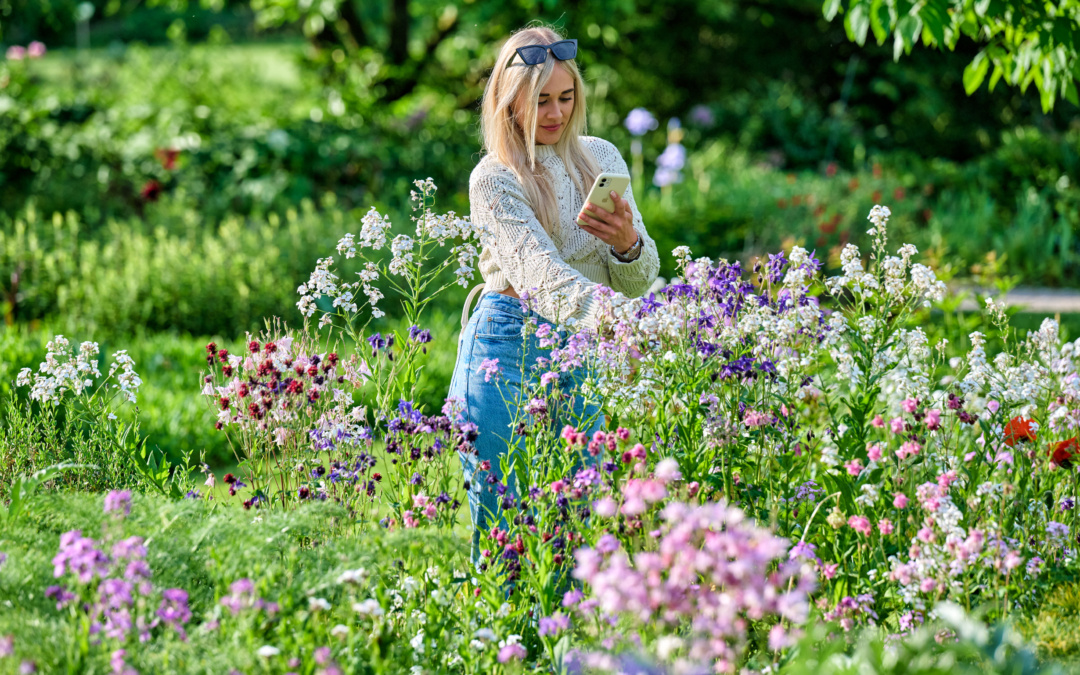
(1018, 429)
(167, 157)
(1063, 453)
(253, 347)
(151, 191)
(229, 479)
(211, 348)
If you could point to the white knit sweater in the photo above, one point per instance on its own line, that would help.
(560, 270)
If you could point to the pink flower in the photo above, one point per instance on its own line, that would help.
(854, 467)
(605, 507)
(754, 418)
(885, 526)
(896, 424)
(909, 405)
(926, 535)
(638, 451)
(35, 49)
(878, 421)
(623, 433)
(569, 434)
(1013, 560)
(946, 479)
(512, 651)
(558, 486)
(874, 452)
(829, 570)
(933, 419)
(860, 524)
(900, 500)
(909, 449)
(927, 585)
(667, 471)
(992, 406)
(430, 510)
(409, 520)
(16, 53)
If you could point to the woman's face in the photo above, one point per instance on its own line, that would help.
(554, 106)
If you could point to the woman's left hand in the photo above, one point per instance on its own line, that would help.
(615, 228)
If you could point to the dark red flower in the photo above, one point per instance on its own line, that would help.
(151, 190)
(1017, 430)
(211, 348)
(1063, 453)
(223, 355)
(253, 347)
(295, 387)
(167, 157)
(224, 403)
(229, 479)
(270, 347)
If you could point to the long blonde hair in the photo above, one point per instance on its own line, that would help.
(508, 123)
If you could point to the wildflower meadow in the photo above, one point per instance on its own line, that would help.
(792, 476)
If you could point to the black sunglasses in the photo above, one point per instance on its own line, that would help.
(534, 54)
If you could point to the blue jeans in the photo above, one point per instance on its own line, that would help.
(494, 332)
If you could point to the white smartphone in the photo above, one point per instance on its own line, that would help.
(600, 194)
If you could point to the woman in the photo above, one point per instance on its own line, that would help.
(527, 195)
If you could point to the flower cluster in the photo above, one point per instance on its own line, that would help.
(63, 370)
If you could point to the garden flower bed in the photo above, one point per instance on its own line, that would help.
(792, 477)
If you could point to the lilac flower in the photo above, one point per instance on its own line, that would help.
(490, 368)
(173, 610)
(1057, 533)
(640, 121)
(673, 157)
(118, 500)
(665, 177)
(3, 559)
(804, 550)
(572, 597)
(79, 556)
(7, 645)
(60, 594)
(553, 625)
(241, 596)
(703, 115)
(422, 336)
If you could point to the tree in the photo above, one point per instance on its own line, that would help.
(1027, 41)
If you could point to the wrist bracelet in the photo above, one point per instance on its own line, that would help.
(631, 254)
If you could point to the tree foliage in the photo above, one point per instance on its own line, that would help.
(1026, 41)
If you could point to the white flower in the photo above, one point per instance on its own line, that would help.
(318, 604)
(369, 607)
(485, 634)
(417, 642)
(339, 630)
(266, 651)
(356, 576)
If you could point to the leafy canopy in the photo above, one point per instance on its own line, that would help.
(1027, 41)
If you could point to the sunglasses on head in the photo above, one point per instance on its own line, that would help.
(532, 55)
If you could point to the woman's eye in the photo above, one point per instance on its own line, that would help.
(566, 100)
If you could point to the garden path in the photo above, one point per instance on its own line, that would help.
(1036, 300)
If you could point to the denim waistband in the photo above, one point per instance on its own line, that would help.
(492, 300)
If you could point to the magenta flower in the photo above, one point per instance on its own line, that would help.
(35, 49)
(933, 419)
(909, 405)
(896, 424)
(900, 500)
(16, 53)
(885, 527)
(854, 467)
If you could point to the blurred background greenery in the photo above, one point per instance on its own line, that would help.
(171, 170)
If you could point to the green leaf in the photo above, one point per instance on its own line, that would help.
(879, 20)
(975, 72)
(830, 8)
(857, 22)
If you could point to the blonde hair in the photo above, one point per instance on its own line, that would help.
(508, 123)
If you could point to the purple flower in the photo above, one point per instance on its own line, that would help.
(1067, 504)
(803, 550)
(60, 594)
(703, 115)
(640, 121)
(79, 555)
(7, 645)
(118, 500)
(572, 597)
(553, 625)
(173, 610)
(490, 368)
(665, 177)
(607, 544)
(3, 559)
(673, 157)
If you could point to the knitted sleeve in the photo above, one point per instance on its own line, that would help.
(525, 253)
(633, 278)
